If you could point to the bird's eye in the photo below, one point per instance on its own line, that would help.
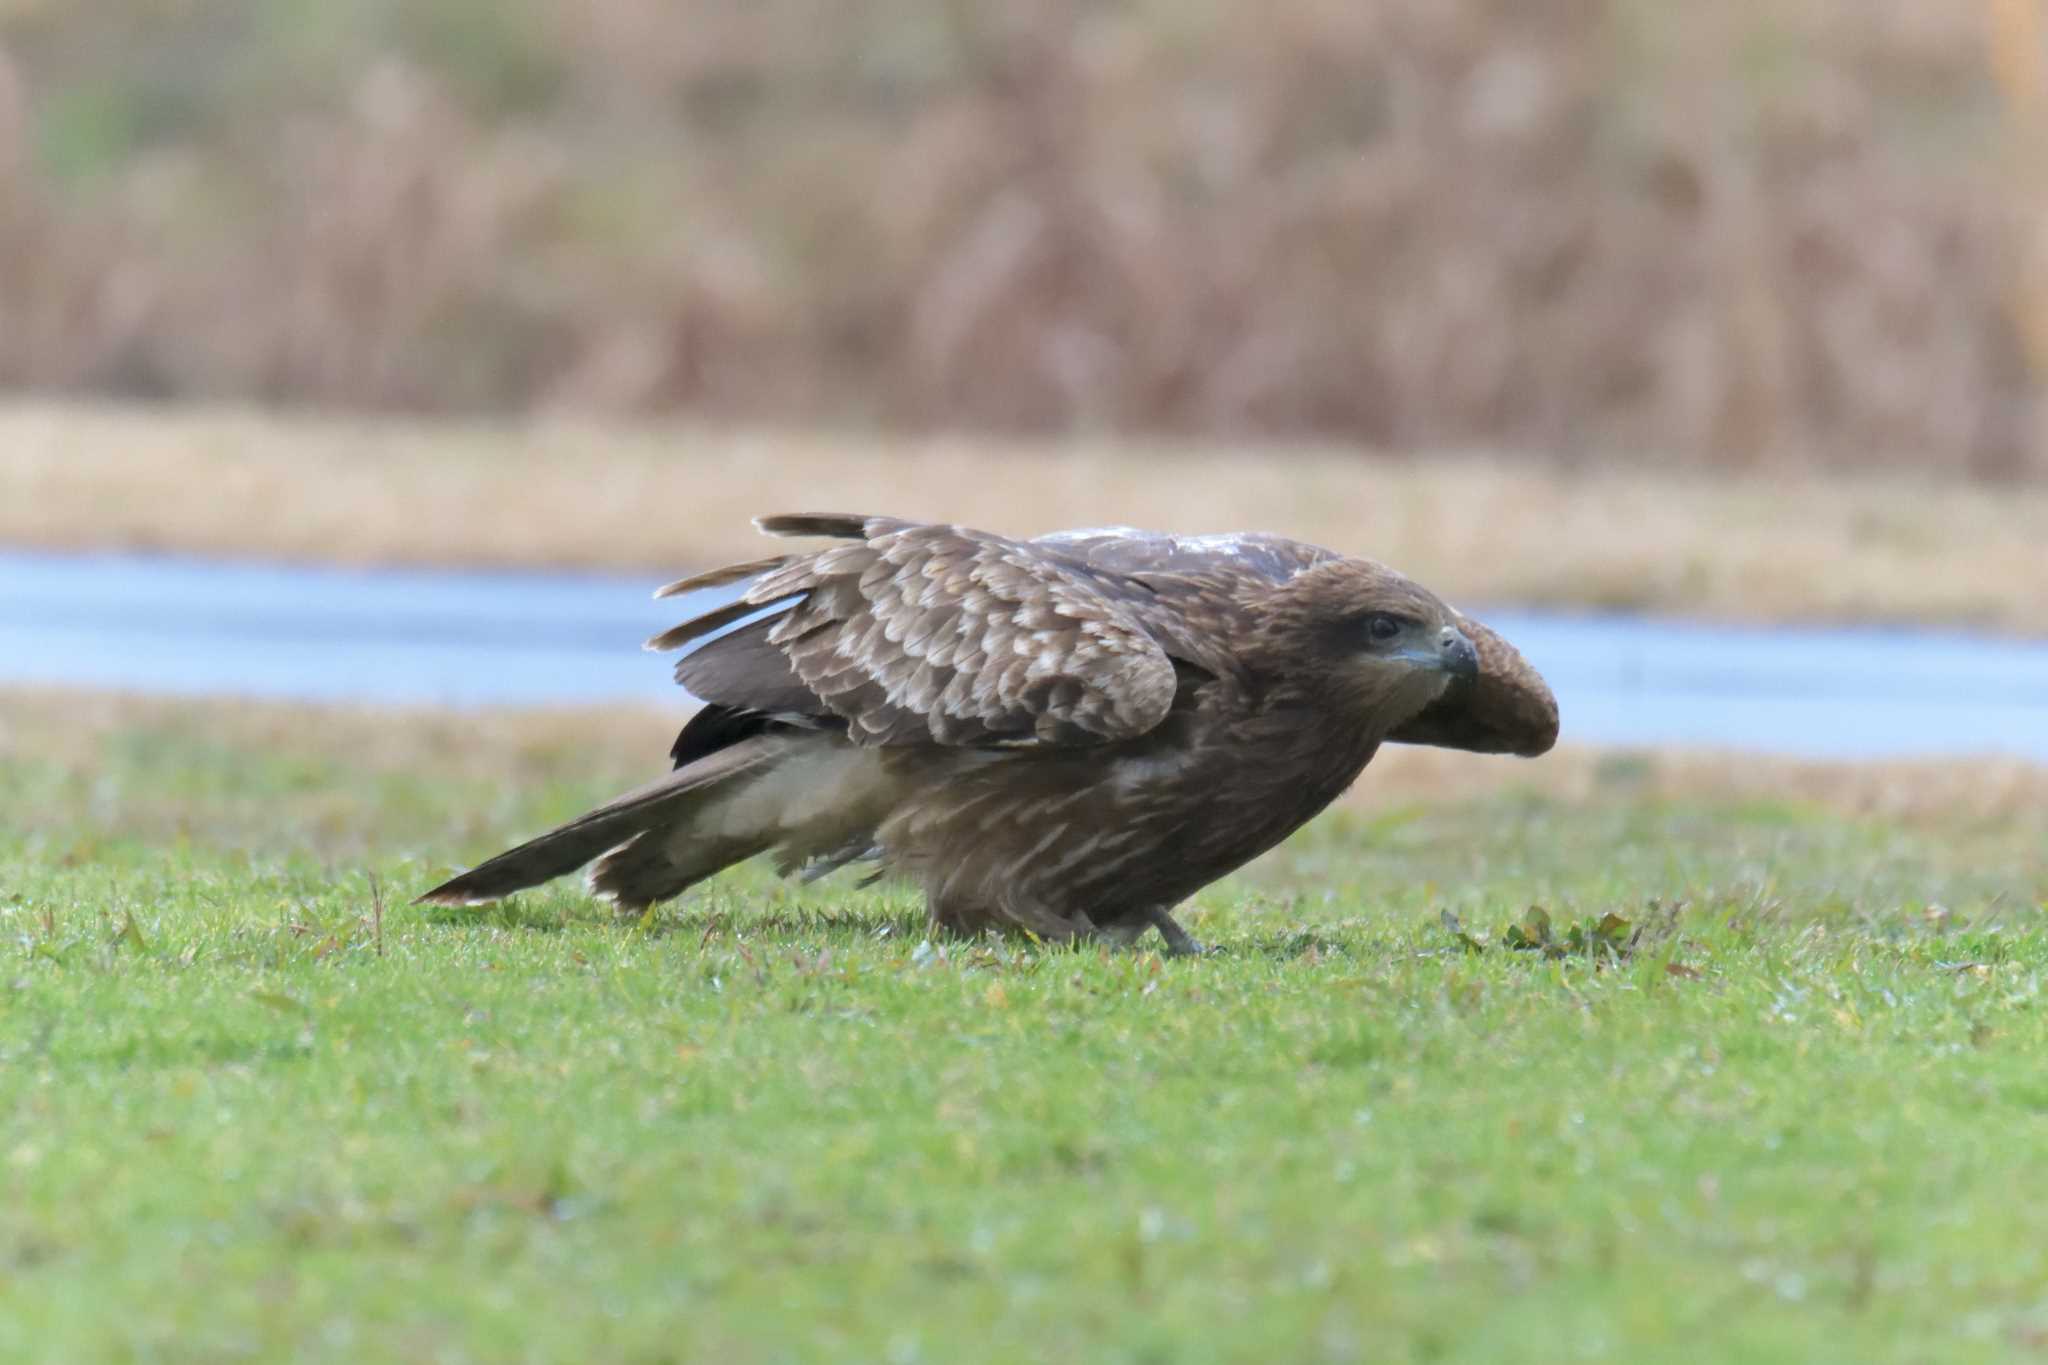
(1383, 628)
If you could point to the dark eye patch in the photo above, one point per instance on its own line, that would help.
(1381, 627)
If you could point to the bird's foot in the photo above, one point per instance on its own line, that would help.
(1179, 942)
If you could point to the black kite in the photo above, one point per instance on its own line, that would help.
(1066, 735)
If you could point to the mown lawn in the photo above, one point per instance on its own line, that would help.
(1800, 1116)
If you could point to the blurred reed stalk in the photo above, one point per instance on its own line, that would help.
(2015, 33)
(1764, 233)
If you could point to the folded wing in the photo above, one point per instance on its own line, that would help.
(910, 633)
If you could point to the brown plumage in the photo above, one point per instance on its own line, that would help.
(1066, 735)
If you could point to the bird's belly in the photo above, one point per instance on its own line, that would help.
(1041, 844)
(1176, 850)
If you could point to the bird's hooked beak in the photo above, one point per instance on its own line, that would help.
(1455, 654)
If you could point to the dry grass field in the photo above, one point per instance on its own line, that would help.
(655, 499)
(511, 749)
(1731, 234)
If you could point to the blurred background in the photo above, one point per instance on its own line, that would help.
(1739, 234)
(1735, 311)
(365, 364)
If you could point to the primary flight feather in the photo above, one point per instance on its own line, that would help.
(1066, 735)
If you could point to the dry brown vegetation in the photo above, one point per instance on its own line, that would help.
(1750, 232)
(509, 749)
(1754, 547)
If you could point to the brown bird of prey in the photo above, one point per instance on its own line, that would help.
(1066, 735)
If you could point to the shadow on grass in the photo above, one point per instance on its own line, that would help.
(903, 924)
(530, 914)
(1285, 945)
(286, 1044)
(555, 914)
(797, 925)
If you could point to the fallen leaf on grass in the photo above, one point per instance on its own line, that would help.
(1532, 934)
(1610, 936)
(1457, 931)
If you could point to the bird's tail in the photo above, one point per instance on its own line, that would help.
(655, 840)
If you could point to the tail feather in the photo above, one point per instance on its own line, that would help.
(661, 805)
(820, 800)
(653, 866)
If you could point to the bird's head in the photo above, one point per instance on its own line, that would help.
(1356, 634)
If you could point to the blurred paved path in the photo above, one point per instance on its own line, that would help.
(468, 638)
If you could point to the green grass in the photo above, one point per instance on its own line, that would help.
(1800, 1119)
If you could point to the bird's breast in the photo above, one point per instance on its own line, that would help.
(1121, 826)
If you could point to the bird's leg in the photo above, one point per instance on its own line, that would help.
(1179, 942)
(1121, 933)
(1124, 930)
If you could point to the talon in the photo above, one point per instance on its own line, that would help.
(1179, 942)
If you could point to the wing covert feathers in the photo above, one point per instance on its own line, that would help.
(920, 634)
